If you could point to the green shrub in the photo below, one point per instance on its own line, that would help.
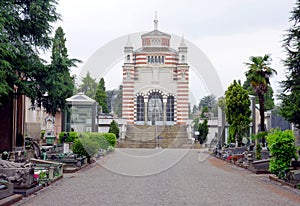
(43, 134)
(85, 147)
(71, 136)
(100, 139)
(110, 148)
(282, 148)
(258, 151)
(110, 138)
(259, 136)
(113, 128)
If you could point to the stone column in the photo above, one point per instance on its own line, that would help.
(146, 111)
(165, 109)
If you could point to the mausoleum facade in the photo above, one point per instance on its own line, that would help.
(155, 81)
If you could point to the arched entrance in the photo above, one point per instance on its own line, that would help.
(155, 109)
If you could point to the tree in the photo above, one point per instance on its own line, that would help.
(208, 101)
(195, 109)
(237, 110)
(118, 102)
(58, 83)
(203, 131)
(113, 128)
(25, 28)
(259, 74)
(202, 128)
(88, 86)
(290, 96)
(268, 96)
(101, 96)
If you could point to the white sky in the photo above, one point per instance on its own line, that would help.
(227, 31)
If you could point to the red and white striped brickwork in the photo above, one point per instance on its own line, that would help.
(182, 93)
(128, 93)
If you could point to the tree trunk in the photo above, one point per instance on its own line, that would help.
(262, 115)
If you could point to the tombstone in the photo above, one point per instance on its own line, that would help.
(295, 175)
(20, 174)
(49, 133)
(66, 148)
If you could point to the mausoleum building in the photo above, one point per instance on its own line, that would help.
(155, 81)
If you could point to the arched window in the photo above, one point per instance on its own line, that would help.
(140, 109)
(128, 57)
(159, 61)
(182, 58)
(162, 59)
(170, 109)
(152, 59)
(148, 59)
(155, 59)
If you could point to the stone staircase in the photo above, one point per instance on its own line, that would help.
(143, 136)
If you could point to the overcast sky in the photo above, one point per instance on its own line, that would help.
(227, 31)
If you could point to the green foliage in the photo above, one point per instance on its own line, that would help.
(259, 74)
(103, 140)
(43, 134)
(258, 151)
(290, 107)
(100, 139)
(222, 103)
(110, 138)
(268, 96)
(232, 135)
(88, 86)
(202, 128)
(210, 103)
(85, 146)
(42, 175)
(101, 96)
(58, 83)
(118, 102)
(113, 128)
(237, 109)
(71, 136)
(260, 135)
(25, 28)
(282, 148)
(110, 149)
(203, 131)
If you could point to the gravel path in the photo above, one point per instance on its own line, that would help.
(163, 177)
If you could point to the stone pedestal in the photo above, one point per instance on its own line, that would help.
(6, 189)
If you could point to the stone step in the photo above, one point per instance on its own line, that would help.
(144, 136)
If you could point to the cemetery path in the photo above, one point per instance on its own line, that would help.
(163, 177)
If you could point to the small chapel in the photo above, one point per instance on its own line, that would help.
(155, 81)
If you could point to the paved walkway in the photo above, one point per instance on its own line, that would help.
(163, 177)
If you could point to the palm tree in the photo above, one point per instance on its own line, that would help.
(259, 74)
